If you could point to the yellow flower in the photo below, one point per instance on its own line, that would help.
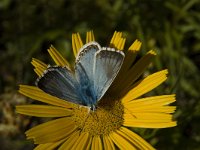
(107, 126)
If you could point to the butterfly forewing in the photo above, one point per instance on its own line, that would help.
(86, 90)
(106, 66)
(60, 82)
(86, 58)
(84, 72)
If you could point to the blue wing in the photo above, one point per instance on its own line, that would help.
(86, 58)
(107, 64)
(84, 73)
(60, 82)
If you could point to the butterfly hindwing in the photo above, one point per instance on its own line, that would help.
(107, 64)
(60, 82)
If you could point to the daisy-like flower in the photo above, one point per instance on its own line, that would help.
(108, 126)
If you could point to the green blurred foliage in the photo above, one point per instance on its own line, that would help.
(171, 27)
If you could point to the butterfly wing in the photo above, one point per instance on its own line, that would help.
(84, 72)
(86, 58)
(60, 82)
(107, 64)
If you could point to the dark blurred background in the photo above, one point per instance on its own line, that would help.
(171, 27)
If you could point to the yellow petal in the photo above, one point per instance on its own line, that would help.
(113, 38)
(96, 143)
(38, 72)
(131, 55)
(120, 44)
(81, 142)
(51, 131)
(125, 80)
(76, 43)
(37, 94)
(40, 67)
(152, 101)
(43, 111)
(79, 43)
(148, 120)
(57, 57)
(70, 142)
(145, 85)
(121, 142)
(49, 146)
(108, 143)
(151, 109)
(152, 104)
(117, 41)
(151, 117)
(132, 123)
(89, 144)
(136, 45)
(136, 140)
(38, 64)
(90, 37)
(75, 51)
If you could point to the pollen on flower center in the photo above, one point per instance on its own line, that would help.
(106, 118)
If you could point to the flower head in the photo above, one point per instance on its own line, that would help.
(122, 106)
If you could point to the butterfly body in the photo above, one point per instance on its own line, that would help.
(94, 71)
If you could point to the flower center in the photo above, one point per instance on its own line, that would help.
(106, 118)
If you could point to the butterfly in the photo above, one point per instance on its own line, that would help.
(95, 69)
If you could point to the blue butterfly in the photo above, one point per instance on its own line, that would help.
(95, 69)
